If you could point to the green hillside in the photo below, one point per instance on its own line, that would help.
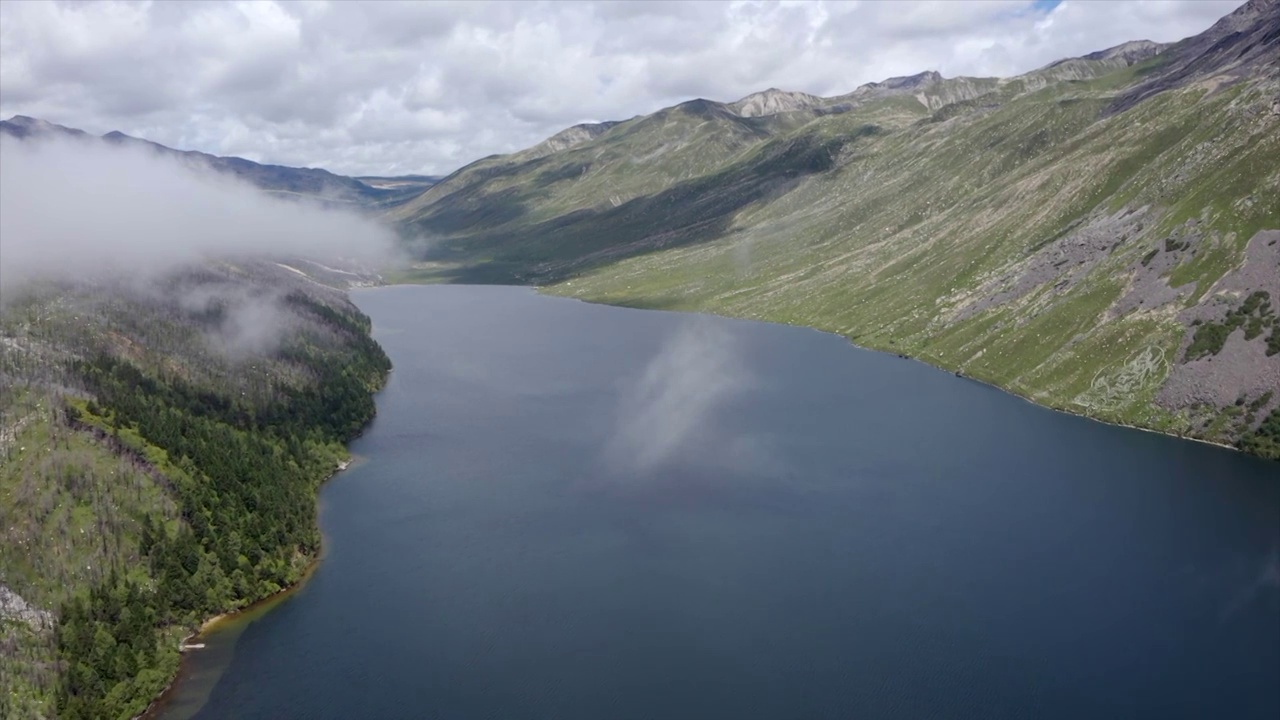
(161, 445)
(1099, 235)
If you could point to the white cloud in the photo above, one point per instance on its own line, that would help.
(76, 208)
(392, 87)
(670, 409)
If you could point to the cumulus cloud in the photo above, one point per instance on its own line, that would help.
(672, 406)
(74, 208)
(391, 87)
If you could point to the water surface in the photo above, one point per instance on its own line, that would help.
(577, 511)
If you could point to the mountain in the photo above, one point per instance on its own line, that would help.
(1100, 235)
(280, 180)
(164, 428)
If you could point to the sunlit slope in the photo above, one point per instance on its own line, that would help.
(1092, 235)
(602, 169)
(967, 261)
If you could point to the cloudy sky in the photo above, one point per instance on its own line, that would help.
(397, 88)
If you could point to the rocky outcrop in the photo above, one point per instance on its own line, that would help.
(1241, 368)
(774, 101)
(1064, 262)
(569, 137)
(1244, 43)
(1131, 52)
(14, 608)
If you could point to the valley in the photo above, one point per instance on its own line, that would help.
(179, 377)
(1068, 235)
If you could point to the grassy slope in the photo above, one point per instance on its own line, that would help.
(921, 213)
(887, 263)
(69, 511)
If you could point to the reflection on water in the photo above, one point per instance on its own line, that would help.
(582, 512)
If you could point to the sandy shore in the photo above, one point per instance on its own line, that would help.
(211, 624)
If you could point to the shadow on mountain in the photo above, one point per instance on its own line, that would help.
(695, 211)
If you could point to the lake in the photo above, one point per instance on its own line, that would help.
(575, 511)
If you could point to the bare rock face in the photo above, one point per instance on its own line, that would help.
(1246, 42)
(1149, 287)
(570, 137)
(1131, 52)
(13, 607)
(774, 101)
(1242, 368)
(1093, 64)
(1064, 262)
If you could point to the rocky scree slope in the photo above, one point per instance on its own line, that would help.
(1098, 235)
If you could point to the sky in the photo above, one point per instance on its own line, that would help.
(390, 88)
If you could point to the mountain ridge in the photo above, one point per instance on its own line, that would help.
(1079, 234)
(282, 180)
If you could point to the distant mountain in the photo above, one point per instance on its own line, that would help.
(1100, 235)
(23, 127)
(406, 186)
(189, 408)
(278, 179)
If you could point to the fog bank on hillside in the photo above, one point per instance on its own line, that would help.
(74, 208)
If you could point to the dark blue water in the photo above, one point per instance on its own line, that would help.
(575, 511)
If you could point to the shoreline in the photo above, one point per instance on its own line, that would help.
(541, 290)
(544, 290)
(211, 624)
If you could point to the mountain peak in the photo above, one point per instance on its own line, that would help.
(1242, 44)
(908, 82)
(288, 181)
(571, 136)
(21, 126)
(1132, 51)
(772, 102)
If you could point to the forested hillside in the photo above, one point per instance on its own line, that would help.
(162, 445)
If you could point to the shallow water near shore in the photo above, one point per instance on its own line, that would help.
(579, 511)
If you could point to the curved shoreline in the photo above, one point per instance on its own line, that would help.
(542, 290)
(211, 625)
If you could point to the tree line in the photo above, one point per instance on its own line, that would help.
(244, 469)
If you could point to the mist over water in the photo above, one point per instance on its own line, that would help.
(670, 406)
(556, 518)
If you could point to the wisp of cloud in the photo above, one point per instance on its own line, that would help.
(672, 406)
(74, 208)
